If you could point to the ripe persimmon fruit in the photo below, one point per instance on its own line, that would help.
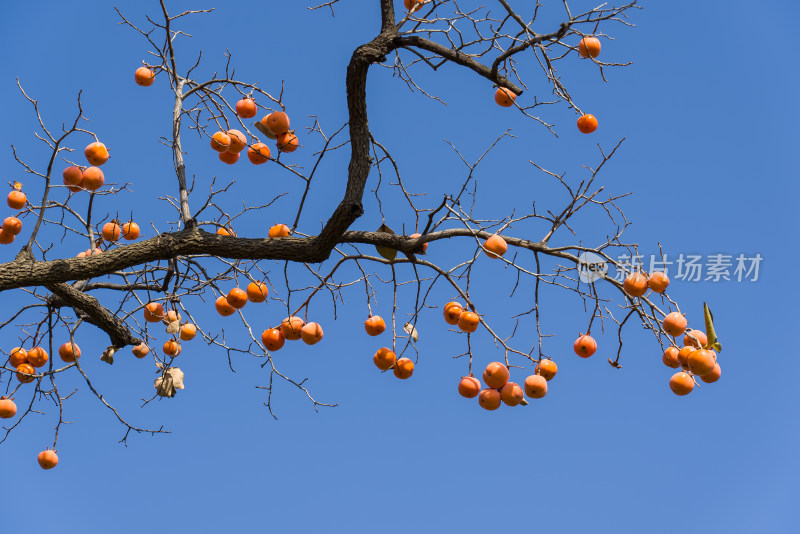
(92, 179)
(495, 246)
(681, 383)
(713, 376)
(658, 282)
(512, 394)
(589, 46)
(141, 350)
(702, 361)
(683, 356)
(291, 327)
(489, 399)
(172, 348)
(112, 231)
(287, 142)
(585, 346)
(414, 5)
(587, 123)
(311, 333)
(468, 321)
(238, 141)
(188, 331)
(546, 368)
(246, 108)
(469, 387)
(237, 297)
(229, 157)
(171, 316)
(258, 153)
(495, 375)
(8, 408)
(272, 339)
(257, 291)
(6, 238)
(73, 177)
(674, 324)
(452, 312)
(403, 368)
(130, 231)
(23, 370)
(38, 357)
(47, 459)
(223, 308)
(279, 230)
(384, 359)
(220, 142)
(144, 77)
(16, 200)
(226, 231)
(153, 312)
(699, 335)
(375, 325)
(535, 386)
(505, 97)
(12, 225)
(96, 153)
(67, 353)
(635, 284)
(670, 358)
(277, 122)
(17, 357)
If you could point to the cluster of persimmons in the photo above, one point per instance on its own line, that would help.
(26, 362)
(694, 358)
(231, 143)
(496, 375)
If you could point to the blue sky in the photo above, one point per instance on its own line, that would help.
(709, 157)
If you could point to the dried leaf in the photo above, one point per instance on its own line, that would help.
(177, 377)
(174, 327)
(264, 130)
(164, 386)
(169, 381)
(108, 355)
(409, 329)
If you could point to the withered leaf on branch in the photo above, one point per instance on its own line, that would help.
(169, 381)
(410, 330)
(173, 327)
(108, 355)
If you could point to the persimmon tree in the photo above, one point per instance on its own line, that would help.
(142, 293)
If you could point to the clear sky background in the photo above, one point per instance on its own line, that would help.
(710, 157)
